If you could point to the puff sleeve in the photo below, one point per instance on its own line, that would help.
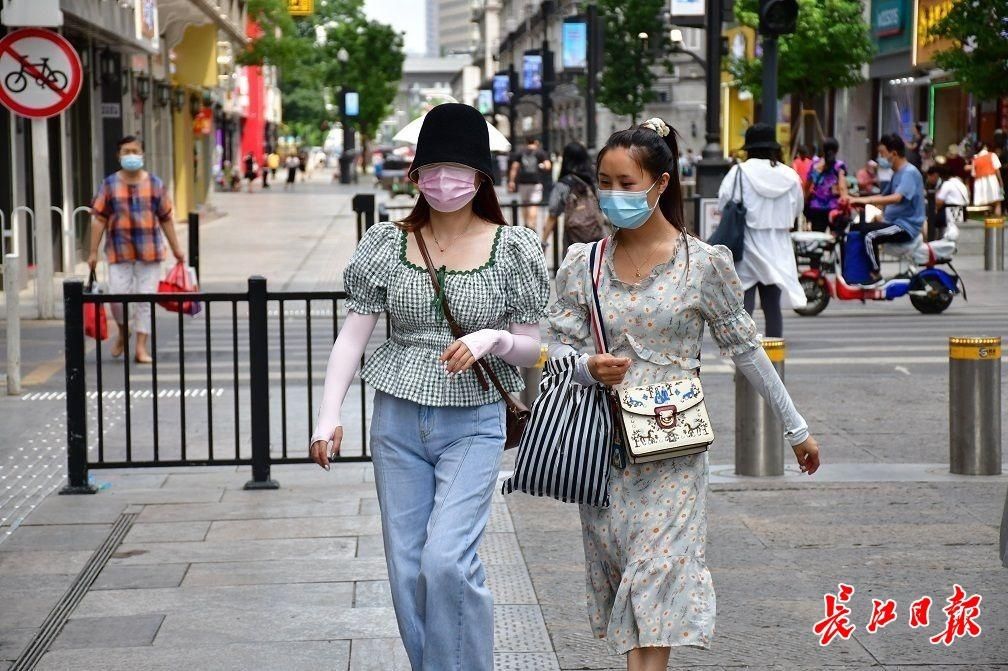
(364, 279)
(721, 305)
(527, 280)
(568, 316)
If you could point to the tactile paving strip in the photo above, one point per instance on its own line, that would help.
(525, 661)
(510, 584)
(498, 548)
(520, 629)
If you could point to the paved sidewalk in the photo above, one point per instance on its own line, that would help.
(211, 576)
(214, 577)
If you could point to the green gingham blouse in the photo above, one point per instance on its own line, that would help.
(512, 287)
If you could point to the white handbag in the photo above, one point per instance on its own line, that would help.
(664, 420)
(656, 421)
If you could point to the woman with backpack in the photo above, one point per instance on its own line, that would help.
(827, 184)
(574, 197)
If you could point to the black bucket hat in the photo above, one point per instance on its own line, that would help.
(453, 133)
(760, 136)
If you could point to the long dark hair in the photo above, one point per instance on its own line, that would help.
(575, 162)
(655, 155)
(485, 205)
(830, 148)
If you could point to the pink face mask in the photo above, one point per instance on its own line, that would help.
(447, 188)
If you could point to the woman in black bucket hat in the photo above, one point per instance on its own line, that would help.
(437, 429)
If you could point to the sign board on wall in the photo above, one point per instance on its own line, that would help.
(888, 17)
(710, 217)
(37, 13)
(925, 45)
(300, 7)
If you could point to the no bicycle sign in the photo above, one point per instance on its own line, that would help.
(40, 73)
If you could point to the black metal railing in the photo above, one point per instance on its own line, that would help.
(170, 413)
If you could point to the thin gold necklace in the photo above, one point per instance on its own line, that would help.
(453, 240)
(637, 268)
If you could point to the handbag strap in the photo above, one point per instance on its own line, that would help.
(91, 280)
(456, 330)
(737, 186)
(596, 259)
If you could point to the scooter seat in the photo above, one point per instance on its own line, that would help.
(903, 249)
(811, 236)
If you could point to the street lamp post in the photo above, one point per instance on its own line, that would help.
(712, 166)
(346, 159)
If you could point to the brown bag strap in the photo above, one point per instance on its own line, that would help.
(456, 330)
(453, 325)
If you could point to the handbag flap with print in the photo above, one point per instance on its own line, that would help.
(665, 419)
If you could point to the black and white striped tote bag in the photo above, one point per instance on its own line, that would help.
(565, 450)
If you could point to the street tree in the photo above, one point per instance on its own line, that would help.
(978, 58)
(276, 40)
(627, 78)
(360, 55)
(827, 50)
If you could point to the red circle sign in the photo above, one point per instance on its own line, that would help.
(40, 73)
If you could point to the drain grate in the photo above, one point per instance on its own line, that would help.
(68, 602)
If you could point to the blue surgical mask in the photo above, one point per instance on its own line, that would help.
(131, 162)
(626, 209)
(883, 162)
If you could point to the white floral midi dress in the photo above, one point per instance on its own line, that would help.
(647, 578)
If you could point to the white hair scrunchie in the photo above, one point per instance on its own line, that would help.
(658, 126)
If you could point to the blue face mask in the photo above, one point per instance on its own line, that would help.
(626, 209)
(131, 162)
(883, 162)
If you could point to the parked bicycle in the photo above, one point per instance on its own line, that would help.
(16, 82)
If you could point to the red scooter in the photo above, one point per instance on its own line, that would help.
(839, 265)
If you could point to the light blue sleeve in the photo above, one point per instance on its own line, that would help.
(568, 315)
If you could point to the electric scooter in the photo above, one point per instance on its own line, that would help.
(839, 265)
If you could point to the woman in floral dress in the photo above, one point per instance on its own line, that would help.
(647, 580)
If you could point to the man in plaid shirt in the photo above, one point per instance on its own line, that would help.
(133, 207)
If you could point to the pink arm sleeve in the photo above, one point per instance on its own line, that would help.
(343, 362)
(518, 346)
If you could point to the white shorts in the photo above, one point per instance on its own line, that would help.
(530, 193)
(134, 277)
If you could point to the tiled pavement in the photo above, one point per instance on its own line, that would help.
(214, 577)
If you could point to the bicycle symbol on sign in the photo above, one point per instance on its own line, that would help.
(16, 82)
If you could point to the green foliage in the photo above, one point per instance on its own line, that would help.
(311, 74)
(373, 66)
(982, 25)
(826, 51)
(279, 43)
(626, 80)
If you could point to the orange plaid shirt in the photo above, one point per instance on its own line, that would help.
(133, 215)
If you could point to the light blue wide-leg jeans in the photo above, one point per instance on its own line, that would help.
(435, 472)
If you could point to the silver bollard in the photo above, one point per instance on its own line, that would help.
(994, 228)
(975, 406)
(759, 435)
(532, 376)
(12, 288)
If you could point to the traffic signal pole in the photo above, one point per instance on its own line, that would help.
(769, 102)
